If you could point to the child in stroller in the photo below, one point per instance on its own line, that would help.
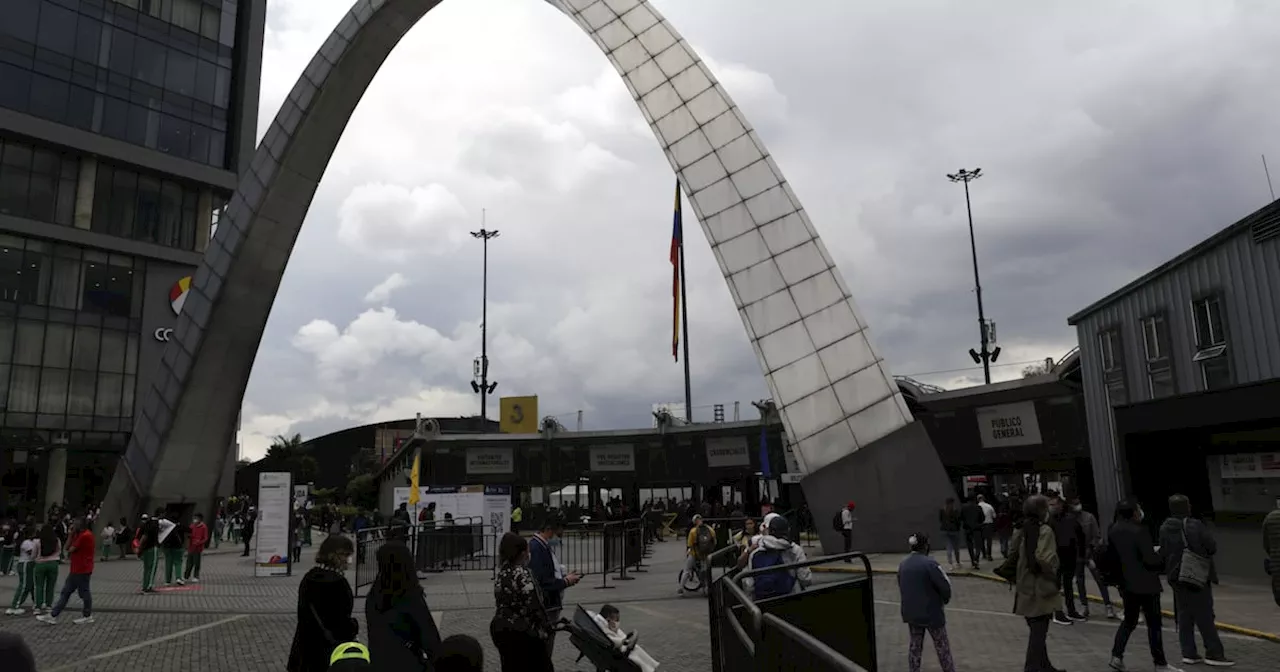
(599, 639)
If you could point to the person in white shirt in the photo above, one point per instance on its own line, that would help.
(846, 528)
(608, 619)
(26, 573)
(988, 525)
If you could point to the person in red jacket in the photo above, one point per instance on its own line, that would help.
(195, 548)
(80, 549)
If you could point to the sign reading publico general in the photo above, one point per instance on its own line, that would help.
(1009, 425)
(177, 298)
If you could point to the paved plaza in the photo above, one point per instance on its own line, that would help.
(235, 622)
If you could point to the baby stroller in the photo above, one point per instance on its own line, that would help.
(586, 636)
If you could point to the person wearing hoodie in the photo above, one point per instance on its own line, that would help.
(1071, 548)
(1192, 605)
(775, 549)
(925, 590)
(195, 548)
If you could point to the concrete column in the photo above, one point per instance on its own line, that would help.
(55, 479)
(83, 218)
(204, 219)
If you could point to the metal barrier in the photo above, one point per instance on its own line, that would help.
(463, 544)
(810, 630)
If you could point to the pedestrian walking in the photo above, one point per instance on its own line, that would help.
(1071, 547)
(1034, 554)
(1139, 568)
(149, 551)
(25, 569)
(324, 608)
(846, 528)
(199, 539)
(951, 525)
(925, 591)
(1093, 541)
(246, 530)
(1188, 547)
(988, 526)
(972, 517)
(548, 572)
(45, 574)
(173, 538)
(80, 550)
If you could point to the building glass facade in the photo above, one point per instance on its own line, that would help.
(123, 124)
(155, 73)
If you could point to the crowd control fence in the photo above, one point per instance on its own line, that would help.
(829, 627)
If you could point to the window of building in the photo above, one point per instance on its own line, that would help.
(1155, 349)
(1211, 343)
(37, 183)
(145, 207)
(57, 29)
(1111, 357)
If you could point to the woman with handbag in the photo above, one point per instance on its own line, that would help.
(1187, 547)
(402, 633)
(324, 608)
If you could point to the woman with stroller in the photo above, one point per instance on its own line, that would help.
(520, 628)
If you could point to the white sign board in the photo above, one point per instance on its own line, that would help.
(1250, 465)
(301, 493)
(613, 458)
(490, 460)
(727, 452)
(271, 531)
(1009, 425)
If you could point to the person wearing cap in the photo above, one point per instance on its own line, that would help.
(925, 590)
(846, 528)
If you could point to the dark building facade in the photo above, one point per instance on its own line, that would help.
(123, 127)
(1181, 373)
(1025, 433)
(336, 454)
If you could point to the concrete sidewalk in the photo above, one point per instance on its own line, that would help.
(1242, 606)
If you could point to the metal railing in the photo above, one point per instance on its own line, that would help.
(746, 637)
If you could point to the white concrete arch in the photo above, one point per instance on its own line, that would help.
(834, 393)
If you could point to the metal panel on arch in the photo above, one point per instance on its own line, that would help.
(834, 393)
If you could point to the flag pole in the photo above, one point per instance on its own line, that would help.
(684, 320)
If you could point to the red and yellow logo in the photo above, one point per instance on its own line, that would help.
(178, 294)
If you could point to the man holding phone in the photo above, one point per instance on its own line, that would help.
(548, 572)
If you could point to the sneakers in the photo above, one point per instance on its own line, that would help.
(181, 582)
(1077, 617)
(194, 579)
(1111, 612)
(45, 618)
(83, 620)
(1189, 660)
(1218, 662)
(1167, 668)
(1117, 664)
(14, 612)
(1060, 619)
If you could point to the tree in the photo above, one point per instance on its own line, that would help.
(293, 455)
(363, 491)
(242, 463)
(285, 448)
(1037, 369)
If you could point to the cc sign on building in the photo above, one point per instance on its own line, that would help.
(177, 297)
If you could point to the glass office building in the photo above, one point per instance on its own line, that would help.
(123, 127)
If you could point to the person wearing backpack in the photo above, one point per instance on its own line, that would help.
(701, 543)
(843, 523)
(775, 549)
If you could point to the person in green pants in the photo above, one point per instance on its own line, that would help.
(171, 545)
(25, 571)
(8, 545)
(45, 574)
(148, 550)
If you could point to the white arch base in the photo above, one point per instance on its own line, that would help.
(836, 397)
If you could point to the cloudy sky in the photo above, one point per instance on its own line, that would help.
(1113, 135)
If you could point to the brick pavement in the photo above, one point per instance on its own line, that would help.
(238, 623)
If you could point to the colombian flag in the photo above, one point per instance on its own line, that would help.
(677, 234)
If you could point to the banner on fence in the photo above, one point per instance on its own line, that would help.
(271, 531)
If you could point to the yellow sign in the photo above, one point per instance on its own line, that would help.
(519, 415)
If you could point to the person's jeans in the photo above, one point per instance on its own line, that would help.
(1194, 611)
(1037, 659)
(973, 539)
(988, 536)
(953, 547)
(1149, 607)
(1067, 562)
(79, 584)
(848, 541)
(1004, 536)
(1102, 587)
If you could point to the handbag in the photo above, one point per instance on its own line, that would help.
(1194, 568)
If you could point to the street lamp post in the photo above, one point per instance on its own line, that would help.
(484, 388)
(985, 355)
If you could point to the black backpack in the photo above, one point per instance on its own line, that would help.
(838, 521)
(705, 541)
(1108, 564)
